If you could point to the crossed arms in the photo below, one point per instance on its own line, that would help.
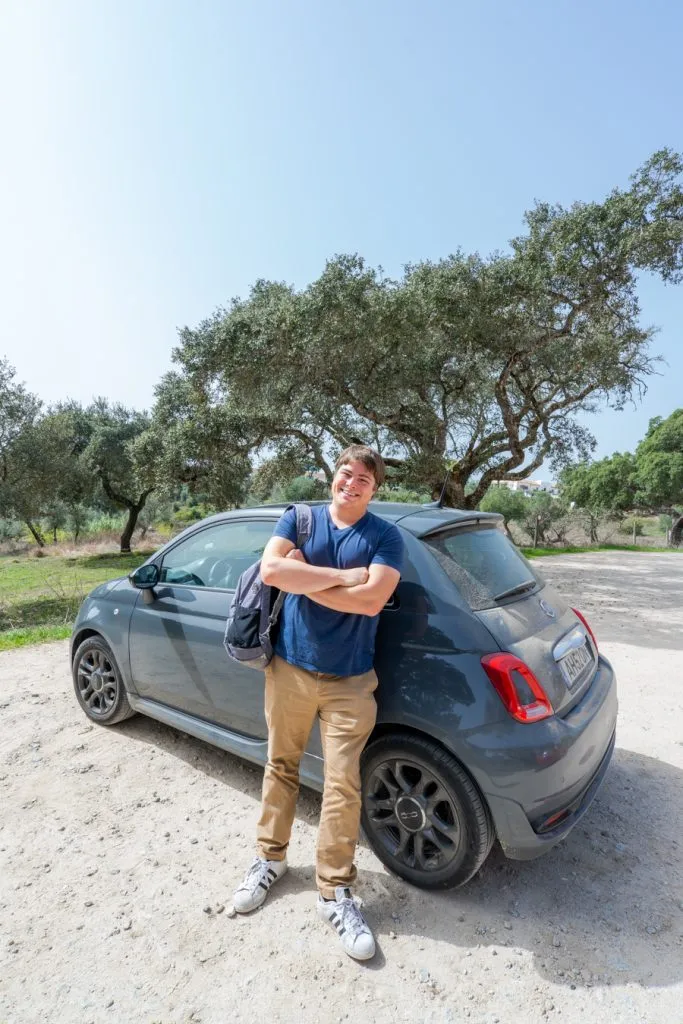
(357, 591)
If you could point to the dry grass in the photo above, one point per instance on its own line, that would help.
(106, 542)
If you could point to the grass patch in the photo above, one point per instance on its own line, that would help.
(40, 597)
(12, 638)
(642, 549)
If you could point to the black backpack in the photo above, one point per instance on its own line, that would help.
(254, 611)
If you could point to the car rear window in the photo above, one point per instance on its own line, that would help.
(483, 564)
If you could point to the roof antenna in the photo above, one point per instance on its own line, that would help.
(439, 503)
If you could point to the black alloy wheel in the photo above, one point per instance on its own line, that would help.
(422, 814)
(98, 684)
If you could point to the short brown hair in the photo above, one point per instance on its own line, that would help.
(371, 459)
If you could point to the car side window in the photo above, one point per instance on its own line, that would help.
(218, 555)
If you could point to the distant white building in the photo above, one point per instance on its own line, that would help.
(529, 486)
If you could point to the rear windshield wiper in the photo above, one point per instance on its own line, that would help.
(519, 589)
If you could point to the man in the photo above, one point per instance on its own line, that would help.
(336, 587)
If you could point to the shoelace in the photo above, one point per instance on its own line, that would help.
(256, 874)
(351, 916)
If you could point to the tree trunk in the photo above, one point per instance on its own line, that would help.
(677, 533)
(37, 536)
(453, 493)
(134, 509)
(127, 535)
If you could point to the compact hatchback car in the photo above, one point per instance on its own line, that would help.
(496, 711)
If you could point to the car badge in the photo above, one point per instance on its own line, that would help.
(550, 612)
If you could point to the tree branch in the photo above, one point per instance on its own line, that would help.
(118, 499)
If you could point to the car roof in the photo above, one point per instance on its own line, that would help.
(420, 520)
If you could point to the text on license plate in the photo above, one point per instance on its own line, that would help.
(574, 663)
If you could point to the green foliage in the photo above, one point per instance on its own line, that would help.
(32, 456)
(186, 514)
(511, 505)
(544, 518)
(157, 509)
(659, 459)
(609, 485)
(305, 488)
(651, 480)
(114, 457)
(98, 523)
(403, 495)
(631, 525)
(77, 519)
(10, 529)
(198, 445)
(55, 517)
(480, 365)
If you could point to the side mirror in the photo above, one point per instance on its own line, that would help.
(145, 577)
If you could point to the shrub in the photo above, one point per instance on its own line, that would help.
(629, 524)
(402, 494)
(665, 523)
(305, 488)
(10, 529)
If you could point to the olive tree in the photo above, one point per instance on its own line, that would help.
(469, 364)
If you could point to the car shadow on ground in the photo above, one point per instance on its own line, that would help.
(603, 907)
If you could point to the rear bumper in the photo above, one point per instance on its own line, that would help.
(560, 765)
(515, 833)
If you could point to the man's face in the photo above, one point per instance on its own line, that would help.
(353, 487)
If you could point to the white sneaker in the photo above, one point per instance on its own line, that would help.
(344, 914)
(256, 885)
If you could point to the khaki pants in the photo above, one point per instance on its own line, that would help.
(347, 711)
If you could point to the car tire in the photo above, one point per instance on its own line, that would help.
(422, 814)
(98, 684)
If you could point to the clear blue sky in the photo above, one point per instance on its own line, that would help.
(159, 156)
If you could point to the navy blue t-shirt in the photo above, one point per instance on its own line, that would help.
(317, 638)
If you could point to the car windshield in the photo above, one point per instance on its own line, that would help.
(486, 568)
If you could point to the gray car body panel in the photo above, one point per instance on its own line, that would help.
(431, 681)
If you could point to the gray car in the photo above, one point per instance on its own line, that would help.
(496, 712)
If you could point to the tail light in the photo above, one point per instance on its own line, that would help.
(582, 618)
(518, 688)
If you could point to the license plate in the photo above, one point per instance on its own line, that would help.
(575, 663)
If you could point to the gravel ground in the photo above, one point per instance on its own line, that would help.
(119, 850)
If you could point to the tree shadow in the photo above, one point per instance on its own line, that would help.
(600, 908)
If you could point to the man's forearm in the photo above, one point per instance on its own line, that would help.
(297, 577)
(354, 600)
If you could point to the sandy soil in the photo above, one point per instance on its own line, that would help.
(119, 849)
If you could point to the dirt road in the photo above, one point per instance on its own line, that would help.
(120, 847)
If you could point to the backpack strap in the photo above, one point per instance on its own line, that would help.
(304, 528)
(277, 607)
(304, 523)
